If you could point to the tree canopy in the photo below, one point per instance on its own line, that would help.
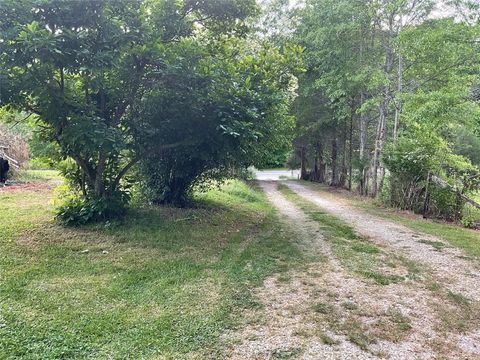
(388, 97)
(181, 85)
(380, 97)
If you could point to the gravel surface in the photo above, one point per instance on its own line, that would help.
(449, 266)
(324, 311)
(277, 174)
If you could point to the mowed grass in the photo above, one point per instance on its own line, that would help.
(463, 238)
(163, 283)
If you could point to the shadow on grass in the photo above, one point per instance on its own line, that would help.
(162, 282)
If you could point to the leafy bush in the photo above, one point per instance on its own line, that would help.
(470, 215)
(444, 204)
(385, 195)
(248, 173)
(409, 162)
(229, 113)
(73, 209)
(412, 159)
(40, 163)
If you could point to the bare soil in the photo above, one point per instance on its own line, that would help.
(39, 185)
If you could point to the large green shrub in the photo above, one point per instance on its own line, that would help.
(226, 111)
(414, 162)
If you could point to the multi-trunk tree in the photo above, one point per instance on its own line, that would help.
(116, 83)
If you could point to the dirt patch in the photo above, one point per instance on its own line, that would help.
(36, 186)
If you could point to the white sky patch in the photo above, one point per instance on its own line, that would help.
(440, 10)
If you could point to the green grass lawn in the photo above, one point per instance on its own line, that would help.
(32, 175)
(163, 283)
(456, 235)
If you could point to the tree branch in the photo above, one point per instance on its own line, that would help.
(139, 156)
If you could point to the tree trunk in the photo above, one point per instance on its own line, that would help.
(99, 185)
(319, 172)
(361, 150)
(382, 178)
(315, 174)
(376, 153)
(362, 122)
(350, 150)
(427, 197)
(303, 160)
(343, 171)
(398, 105)
(334, 181)
(323, 165)
(381, 127)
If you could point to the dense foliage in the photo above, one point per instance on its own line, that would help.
(184, 87)
(163, 96)
(389, 102)
(232, 111)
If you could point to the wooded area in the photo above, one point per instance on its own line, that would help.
(389, 95)
(151, 99)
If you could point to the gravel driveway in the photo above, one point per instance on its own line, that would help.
(324, 310)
